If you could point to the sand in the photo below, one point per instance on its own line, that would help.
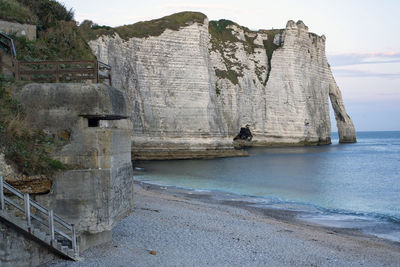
(185, 228)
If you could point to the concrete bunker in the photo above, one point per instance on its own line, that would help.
(97, 191)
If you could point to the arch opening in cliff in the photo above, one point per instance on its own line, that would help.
(345, 127)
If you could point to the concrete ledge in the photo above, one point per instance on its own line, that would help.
(87, 240)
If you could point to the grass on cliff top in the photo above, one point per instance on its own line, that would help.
(12, 10)
(222, 37)
(29, 150)
(144, 28)
(220, 32)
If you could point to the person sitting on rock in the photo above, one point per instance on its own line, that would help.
(244, 134)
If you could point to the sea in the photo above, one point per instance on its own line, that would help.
(355, 186)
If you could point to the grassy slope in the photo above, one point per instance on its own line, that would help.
(28, 149)
(59, 38)
(11, 10)
(143, 28)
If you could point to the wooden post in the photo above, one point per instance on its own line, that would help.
(96, 71)
(1, 193)
(51, 226)
(74, 247)
(28, 211)
(57, 72)
(1, 63)
(16, 68)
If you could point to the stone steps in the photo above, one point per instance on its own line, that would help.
(14, 219)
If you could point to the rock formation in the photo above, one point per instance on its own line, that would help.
(192, 89)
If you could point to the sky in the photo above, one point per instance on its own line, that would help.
(363, 41)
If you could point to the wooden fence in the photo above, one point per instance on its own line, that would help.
(50, 71)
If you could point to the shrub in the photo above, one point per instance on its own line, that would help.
(27, 148)
(48, 12)
(11, 10)
(61, 42)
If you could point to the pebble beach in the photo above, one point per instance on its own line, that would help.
(171, 227)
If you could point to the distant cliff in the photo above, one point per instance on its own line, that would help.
(193, 86)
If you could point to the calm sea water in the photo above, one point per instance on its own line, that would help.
(352, 185)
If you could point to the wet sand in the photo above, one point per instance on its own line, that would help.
(187, 228)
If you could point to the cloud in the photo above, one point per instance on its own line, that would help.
(346, 59)
(378, 64)
(362, 73)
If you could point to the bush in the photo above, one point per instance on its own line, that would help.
(28, 149)
(61, 42)
(48, 12)
(11, 10)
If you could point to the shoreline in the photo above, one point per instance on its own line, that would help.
(149, 155)
(188, 228)
(292, 213)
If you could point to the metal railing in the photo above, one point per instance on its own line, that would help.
(104, 71)
(7, 44)
(51, 217)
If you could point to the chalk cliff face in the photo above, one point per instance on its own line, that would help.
(193, 88)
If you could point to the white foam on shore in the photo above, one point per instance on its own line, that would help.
(368, 225)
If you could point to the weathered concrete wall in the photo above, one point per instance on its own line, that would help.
(98, 192)
(16, 250)
(27, 30)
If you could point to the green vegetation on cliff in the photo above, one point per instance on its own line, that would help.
(222, 38)
(270, 47)
(60, 42)
(48, 12)
(28, 149)
(12, 10)
(144, 28)
(59, 38)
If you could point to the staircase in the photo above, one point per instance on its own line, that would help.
(28, 217)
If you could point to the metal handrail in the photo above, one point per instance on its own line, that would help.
(104, 65)
(11, 45)
(28, 203)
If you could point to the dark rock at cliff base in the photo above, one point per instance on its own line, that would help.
(244, 134)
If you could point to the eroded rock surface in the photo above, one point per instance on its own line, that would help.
(192, 90)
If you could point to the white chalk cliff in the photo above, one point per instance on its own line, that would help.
(192, 89)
